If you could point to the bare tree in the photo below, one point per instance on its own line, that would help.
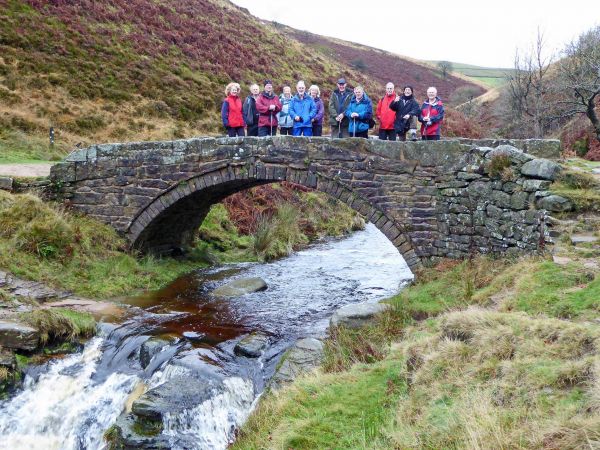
(445, 67)
(528, 88)
(579, 77)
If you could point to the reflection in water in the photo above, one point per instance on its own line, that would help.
(202, 331)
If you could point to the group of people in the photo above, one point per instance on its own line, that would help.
(350, 112)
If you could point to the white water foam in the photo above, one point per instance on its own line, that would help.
(211, 424)
(64, 408)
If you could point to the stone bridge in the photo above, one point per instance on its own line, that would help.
(431, 199)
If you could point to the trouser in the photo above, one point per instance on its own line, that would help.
(431, 138)
(340, 129)
(252, 130)
(235, 131)
(267, 131)
(317, 130)
(387, 135)
(285, 131)
(302, 131)
(361, 134)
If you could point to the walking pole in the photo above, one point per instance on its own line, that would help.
(271, 123)
(354, 127)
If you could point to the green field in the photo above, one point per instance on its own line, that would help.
(490, 76)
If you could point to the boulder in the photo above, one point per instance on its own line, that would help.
(541, 168)
(6, 183)
(180, 393)
(535, 185)
(150, 348)
(554, 203)
(252, 345)
(305, 355)
(18, 336)
(240, 287)
(357, 315)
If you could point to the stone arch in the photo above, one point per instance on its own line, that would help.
(170, 220)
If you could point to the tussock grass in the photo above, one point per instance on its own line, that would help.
(584, 199)
(40, 241)
(60, 323)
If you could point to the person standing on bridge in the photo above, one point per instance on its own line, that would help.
(286, 122)
(359, 113)
(338, 103)
(231, 111)
(268, 105)
(250, 111)
(303, 110)
(407, 110)
(431, 116)
(386, 115)
(317, 122)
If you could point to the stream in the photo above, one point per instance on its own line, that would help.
(206, 391)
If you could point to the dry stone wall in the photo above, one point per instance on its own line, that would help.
(431, 199)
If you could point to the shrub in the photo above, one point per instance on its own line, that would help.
(498, 164)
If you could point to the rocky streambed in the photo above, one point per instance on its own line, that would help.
(183, 367)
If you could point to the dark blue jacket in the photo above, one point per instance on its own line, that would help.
(305, 108)
(364, 108)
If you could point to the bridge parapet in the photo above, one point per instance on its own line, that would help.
(431, 199)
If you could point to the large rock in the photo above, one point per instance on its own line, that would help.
(305, 355)
(240, 286)
(6, 183)
(554, 203)
(252, 345)
(150, 348)
(541, 168)
(357, 315)
(180, 393)
(18, 336)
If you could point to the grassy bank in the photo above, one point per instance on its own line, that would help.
(481, 354)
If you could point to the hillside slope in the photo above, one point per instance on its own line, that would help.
(140, 69)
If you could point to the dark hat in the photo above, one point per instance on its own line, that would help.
(267, 82)
(341, 81)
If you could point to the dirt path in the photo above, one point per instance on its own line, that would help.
(25, 170)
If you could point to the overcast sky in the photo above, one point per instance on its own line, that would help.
(484, 33)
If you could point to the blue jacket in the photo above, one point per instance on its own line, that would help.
(305, 108)
(284, 118)
(364, 108)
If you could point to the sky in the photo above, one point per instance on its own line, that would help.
(484, 33)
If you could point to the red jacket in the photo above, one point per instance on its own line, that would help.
(385, 115)
(267, 117)
(435, 112)
(231, 112)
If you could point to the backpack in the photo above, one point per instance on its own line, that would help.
(249, 116)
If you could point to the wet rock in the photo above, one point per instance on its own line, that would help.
(357, 315)
(129, 434)
(193, 336)
(150, 348)
(180, 393)
(18, 336)
(541, 168)
(29, 289)
(240, 287)
(252, 345)
(305, 355)
(554, 203)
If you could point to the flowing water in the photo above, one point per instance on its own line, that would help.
(69, 403)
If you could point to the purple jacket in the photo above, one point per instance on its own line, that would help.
(320, 111)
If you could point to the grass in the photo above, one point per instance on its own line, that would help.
(18, 147)
(513, 376)
(39, 241)
(327, 411)
(60, 323)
